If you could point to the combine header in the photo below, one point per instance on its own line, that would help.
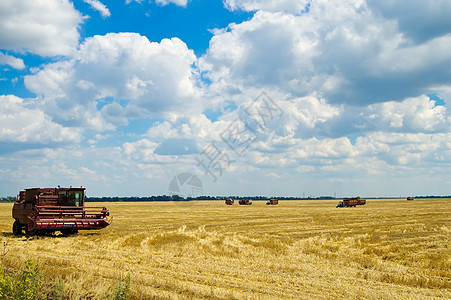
(56, 209)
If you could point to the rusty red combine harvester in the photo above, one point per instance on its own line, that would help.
(40, 210)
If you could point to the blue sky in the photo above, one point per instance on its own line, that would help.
(253, 97)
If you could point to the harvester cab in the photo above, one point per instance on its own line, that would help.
(40, 210)
(341, 204)
(71, 196)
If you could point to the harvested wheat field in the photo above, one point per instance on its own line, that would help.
(387, 249)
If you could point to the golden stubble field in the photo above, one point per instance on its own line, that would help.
(387, 249)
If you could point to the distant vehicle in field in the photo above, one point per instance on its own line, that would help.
(272, 202)
(409, 198)
(39, 210)
(351, 202)
(229, 201)
(244, 202)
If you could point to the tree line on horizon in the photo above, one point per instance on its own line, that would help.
(163, 198)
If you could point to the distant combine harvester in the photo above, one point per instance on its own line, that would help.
(229, 201)
(244, 202)
(272, 202)
(351, 202)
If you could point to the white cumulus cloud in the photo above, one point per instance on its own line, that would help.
(355, 81)
(163, 2)
(22, 124)
(418, 20)
(11, 61)
(43, 27)
(177, 2)
(100, 7)
(151, 77)
(342, 51)
(293, 6)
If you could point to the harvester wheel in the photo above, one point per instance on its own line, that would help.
(29, 232)
(17, 228)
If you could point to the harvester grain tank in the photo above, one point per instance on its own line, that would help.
(245, 202)
(229, 201)
(272, 202)
(61, 209)
(351, 202)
